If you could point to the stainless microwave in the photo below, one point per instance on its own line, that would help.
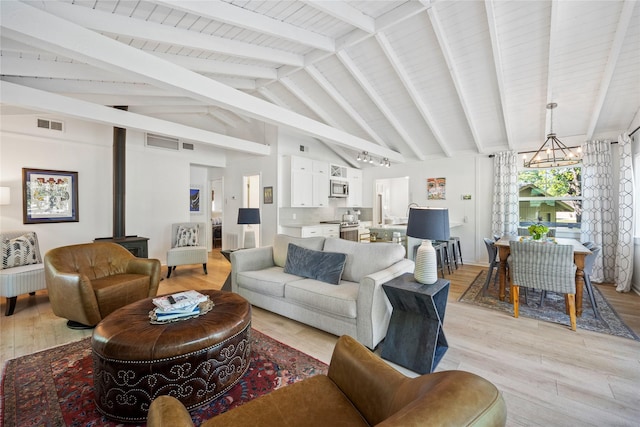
(338, 188)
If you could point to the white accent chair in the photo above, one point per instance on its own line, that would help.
(23, 279)
(187, 254)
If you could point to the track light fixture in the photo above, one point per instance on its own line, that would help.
(367, 158)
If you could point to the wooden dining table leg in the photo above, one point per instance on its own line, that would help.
(579, 261)
(503, 254)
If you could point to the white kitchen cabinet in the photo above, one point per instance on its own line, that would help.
(354, 176)
(325, 230)
(309, 182)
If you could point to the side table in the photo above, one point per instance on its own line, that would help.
(415, 338)
(227, 254)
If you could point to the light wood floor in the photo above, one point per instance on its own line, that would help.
(549, 375)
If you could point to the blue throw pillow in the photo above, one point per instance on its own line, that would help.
(324, 266)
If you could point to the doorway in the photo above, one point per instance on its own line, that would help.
(251, 199)
(217, 211)
(391, 199)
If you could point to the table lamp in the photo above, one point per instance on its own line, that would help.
(428, 224)
(5, 195)
(249, 216)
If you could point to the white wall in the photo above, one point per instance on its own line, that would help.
(157, 189)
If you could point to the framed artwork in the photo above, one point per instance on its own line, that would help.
(194, 200)
(49, 196)
(268, 195)
(436, 188)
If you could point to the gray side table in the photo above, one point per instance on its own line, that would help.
(415, 338)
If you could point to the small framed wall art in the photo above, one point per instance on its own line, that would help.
(436, 188)
(49, 196)
(194, 200)
(268, 195)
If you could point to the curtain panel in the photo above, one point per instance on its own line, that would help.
(624, 248)
(504, 218)
(599, 218)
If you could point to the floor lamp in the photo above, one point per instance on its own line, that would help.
(249, 216)
(430, 224)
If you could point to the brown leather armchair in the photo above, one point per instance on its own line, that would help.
(360, 389)
(86, 282)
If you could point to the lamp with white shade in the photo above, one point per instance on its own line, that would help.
(5, 195)
(428, 224)
(249, 216)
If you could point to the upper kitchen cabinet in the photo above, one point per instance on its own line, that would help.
(354, 176)
(309, 182)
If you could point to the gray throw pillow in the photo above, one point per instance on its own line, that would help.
(324, 266)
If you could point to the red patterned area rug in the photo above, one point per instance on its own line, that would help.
(55, 387)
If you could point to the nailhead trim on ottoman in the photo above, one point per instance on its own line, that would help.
(196, 360)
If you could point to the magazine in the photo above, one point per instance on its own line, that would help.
(186, 300)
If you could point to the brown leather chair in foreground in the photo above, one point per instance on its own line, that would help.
(359, 390)
(86, 282)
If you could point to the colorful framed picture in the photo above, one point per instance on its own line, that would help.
(268, 195)
(49, 196)
(436, 188)
(194, 200)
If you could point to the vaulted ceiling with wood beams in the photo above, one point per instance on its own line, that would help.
(405, 80)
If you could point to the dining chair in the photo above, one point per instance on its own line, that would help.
(589, 260)
(492, 251)
(543, 266)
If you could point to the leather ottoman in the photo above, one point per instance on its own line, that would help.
(194, 360)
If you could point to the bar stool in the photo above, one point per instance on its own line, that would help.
(444, 253)
(456, 255)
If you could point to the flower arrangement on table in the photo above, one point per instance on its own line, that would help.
(537, 231)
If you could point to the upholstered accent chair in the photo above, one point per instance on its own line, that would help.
(544, 266)
(188, 246)
(22, 271)
(360, 389)
(87, 282)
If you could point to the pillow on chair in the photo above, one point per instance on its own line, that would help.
(187, 236)
(19, 251)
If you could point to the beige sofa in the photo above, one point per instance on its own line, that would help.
(360, 389)
(357, 306)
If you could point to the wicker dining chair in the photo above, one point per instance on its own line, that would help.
(544, 266)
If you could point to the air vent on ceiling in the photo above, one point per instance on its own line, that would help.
(160, 141)
(50, 124)
(187, 146)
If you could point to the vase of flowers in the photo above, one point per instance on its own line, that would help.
(537, 231)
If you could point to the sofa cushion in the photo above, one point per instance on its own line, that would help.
(281, 245)
(324, 266)
(364, 258)
(269, 281)
(19, 251)
(118, 290)
(323, 297)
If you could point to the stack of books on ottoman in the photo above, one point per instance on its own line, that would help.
(179, 306)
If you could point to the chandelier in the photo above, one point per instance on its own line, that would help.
(553, 152)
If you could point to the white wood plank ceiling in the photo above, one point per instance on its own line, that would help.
(407, 80)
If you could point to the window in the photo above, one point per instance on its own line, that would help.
(551, 196)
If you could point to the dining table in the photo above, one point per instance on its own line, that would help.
(579, 254)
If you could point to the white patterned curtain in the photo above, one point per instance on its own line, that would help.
(505, 194)
(624, 249)
(598, 216)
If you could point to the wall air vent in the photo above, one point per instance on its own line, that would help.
(187, 146)
(160, 141)
(50, 124)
